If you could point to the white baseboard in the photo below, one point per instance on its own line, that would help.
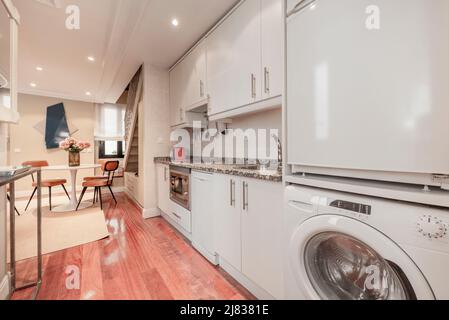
(151, 213)
(257, 291)
(5, 288)
(213, 258)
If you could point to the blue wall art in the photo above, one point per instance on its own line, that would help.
(56, 128)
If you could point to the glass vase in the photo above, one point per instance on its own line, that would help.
(74, 159)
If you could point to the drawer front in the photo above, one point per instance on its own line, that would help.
(181, 216)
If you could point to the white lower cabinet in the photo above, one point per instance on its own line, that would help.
(248, 229)
(228, 222)
(163, 187)
(261, 235)
(203, 217)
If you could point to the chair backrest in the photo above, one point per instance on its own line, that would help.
(35, 164)
(109, 168)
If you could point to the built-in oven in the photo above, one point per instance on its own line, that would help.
(180, 186)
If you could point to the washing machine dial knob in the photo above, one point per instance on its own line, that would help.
(432, 227)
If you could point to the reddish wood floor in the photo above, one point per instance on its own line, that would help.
(142, 260)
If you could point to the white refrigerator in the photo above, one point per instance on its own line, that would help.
(368, 85)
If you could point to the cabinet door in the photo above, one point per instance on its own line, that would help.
(233, 60)
(271, 39)
(163, 188)
(202, 215)
(261, 234)
(228, 226)
(195, 64)
(177, 93)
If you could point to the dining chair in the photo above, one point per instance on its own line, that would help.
(45, 183)
(9, 199)
(109, 168)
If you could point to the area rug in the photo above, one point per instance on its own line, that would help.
(59, 230)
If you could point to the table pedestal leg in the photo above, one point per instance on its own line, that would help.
(73, 198)
(73, 195)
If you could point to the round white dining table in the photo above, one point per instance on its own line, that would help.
(71, 206)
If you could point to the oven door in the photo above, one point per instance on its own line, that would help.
(179, 188)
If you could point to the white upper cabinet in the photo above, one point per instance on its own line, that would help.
(272, 30)
(177, 91)
(238, 65)
(195, 69)
(233, 60)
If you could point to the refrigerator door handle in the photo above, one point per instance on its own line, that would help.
(301, 5)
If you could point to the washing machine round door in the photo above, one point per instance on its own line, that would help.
(339, 258)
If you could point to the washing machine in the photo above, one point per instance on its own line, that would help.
(342, 246)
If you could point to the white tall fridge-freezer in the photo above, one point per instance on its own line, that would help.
(368, 85)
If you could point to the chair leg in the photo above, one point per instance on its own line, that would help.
(49, 196)
(31, 198)
(113, 196)
(101, 200)
(95, 194)
(81, 198)
(9, 199)
(65, 190)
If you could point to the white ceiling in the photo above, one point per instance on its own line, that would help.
(120, 34)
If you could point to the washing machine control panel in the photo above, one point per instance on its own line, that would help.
(432, 227)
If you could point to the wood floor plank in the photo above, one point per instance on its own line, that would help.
(141, 260)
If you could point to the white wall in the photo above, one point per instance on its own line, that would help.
(30, 144)
(156, 115)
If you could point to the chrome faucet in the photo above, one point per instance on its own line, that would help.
(279, 142)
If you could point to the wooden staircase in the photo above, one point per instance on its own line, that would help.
(133, 151)
(131, 163)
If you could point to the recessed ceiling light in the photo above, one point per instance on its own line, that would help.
(88, 93)
(175, 22)
(39, 68)
(91, 59)
(33, 84)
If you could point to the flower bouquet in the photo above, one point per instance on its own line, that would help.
(74, 147)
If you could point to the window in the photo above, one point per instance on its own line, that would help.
(110, 122)
(111, 150)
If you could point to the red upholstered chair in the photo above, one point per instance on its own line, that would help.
(45, 183)
(109, 168)
(104, 176)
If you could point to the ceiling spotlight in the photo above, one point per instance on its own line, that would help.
(175, 22)
(91, 59)
(39, 68)
(88, 93)
(32, 84)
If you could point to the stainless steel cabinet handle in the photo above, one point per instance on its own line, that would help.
(177, 216)
(253, 85)
(165, 173)
(267, 80)
(232, 192)
(301, 5)
(245, 196)
(201, 88)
